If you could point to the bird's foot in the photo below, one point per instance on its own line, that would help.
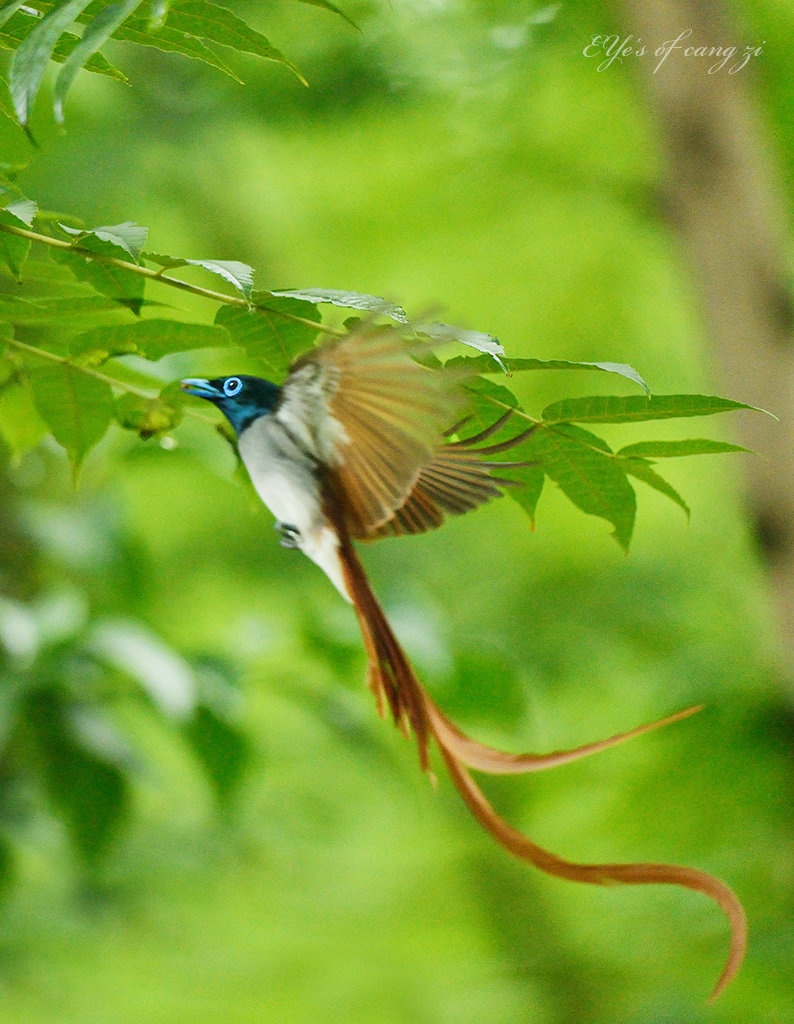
(290, 535)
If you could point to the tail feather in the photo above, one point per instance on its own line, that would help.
(395, 685)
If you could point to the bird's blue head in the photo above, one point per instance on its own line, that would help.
(241, 399)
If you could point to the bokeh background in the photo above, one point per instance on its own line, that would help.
(465, 159)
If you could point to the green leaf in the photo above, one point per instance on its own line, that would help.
(267, 336)
(642, 471)
(674, 449)
(347, 300)
(105, 276)
(238, 274)
(128, 236)
(330, 7)
(189, 22)
(633, 409)
(220, 747)
(10, 8)
(94, 36)
(150, 417)
(14, 250)
(76, 407)
(21, 427)
(489, 401)
(583, 467)
(482, 364)
(83, 784)
(474, 339)
(205, 20)
(18, 310)
(152, 339)
(34, 53)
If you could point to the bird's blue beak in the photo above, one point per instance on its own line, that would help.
(200, 388)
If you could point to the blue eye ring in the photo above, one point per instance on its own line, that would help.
(232, 386)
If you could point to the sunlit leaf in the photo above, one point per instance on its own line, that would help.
(633, 409)
(128, 236)
(478, 340)
(103, 274)
(264, 334)
(34, 53)
(674, 449)
(347, 300)
(238, 274)
(76, 407)
(95, 35)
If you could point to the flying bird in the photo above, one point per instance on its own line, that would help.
(363, 441)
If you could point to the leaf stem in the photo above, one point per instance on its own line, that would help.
(158, 275)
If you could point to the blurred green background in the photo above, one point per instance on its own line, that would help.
(464, 159)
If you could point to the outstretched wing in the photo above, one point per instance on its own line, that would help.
(376, 421)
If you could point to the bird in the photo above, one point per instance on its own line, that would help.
(364, 439)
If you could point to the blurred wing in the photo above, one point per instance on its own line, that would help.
(376, 419)
(454, 482)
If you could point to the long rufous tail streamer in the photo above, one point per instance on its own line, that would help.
(395, 684)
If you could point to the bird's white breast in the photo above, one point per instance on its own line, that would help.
(284, 475)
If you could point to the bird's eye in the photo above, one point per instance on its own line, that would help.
(232, 386)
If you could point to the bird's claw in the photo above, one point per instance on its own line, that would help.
(290, 535)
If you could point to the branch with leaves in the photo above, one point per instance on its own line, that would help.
(71, 33)
(73, 316)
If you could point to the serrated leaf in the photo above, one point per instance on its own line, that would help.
(642, 471)
(347, 300)
(24, 210)
(118, 283)
(34, 53)
(634, 409)
(675, 449)
(97, 32)
(518, 365)
(152, 339)
(478, 340)
(76, 407)
(128, 236)
(583, 467)
(14, 250)
(263, 334)
(238, 274)
(202, 19)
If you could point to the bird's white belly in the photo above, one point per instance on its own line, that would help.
(290, 489)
